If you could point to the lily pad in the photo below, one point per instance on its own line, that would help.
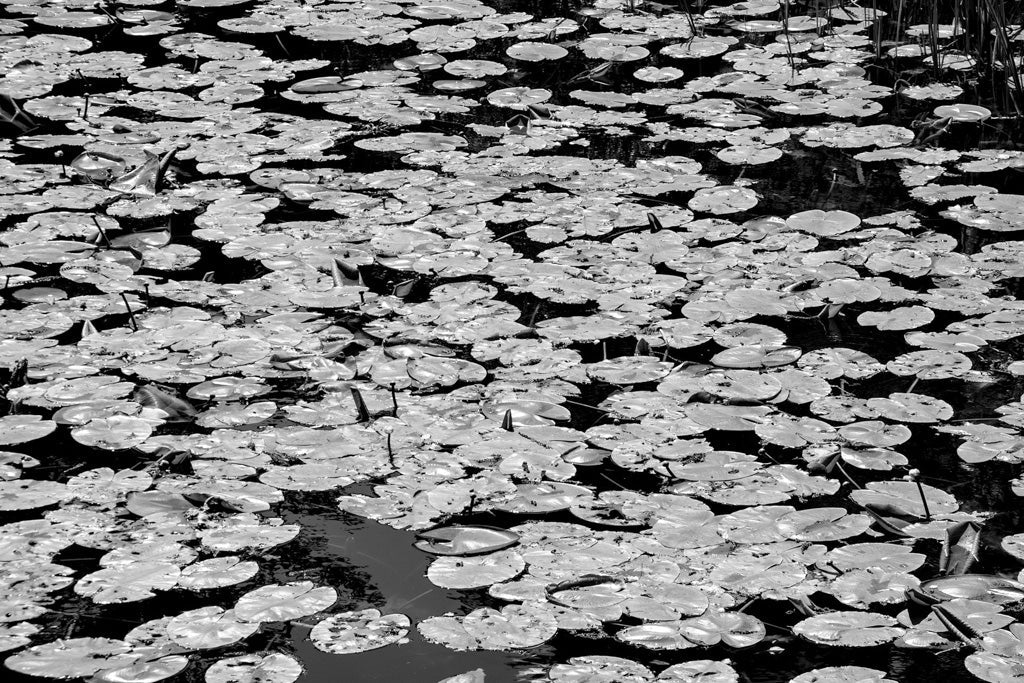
(359, 631)
(465, 540)
(849, 629)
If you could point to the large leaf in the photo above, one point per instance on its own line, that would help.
(72, 658)
(284, 602)
(849, 629)
(360, 631)
(272, 668)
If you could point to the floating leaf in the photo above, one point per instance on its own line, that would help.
(842, 674)
(465, 540)
(272, 668)
(217, 572)
(15, 429)
(904, 498)
(128, 583)
(72, 658)
(113, 433)
(994, 668)
(980, 587)
(849, 629)
(284, 602)
(359, 631)
(145, 670)
(28, 494)
(475, 572)
(600, 669)
(514, 627)
(209, 627)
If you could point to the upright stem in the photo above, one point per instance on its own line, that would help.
(131, 314)
(103, 233)
(924, 500)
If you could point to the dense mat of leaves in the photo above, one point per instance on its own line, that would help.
(556, 295)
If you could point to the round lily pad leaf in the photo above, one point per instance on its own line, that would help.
(217, 572)
(359, 631)
(754, 155)
(474, 676)
(600, 669)
(885, 556)
(614, 509)
(209, 627)
(104, 485)
(28, 494)
(976, 616)
(904, 498)
(72, 658)
(545, 497)
(229, 389)
(861, 588)
(756, 356)
(735, 629)
(965, 113)
(144, 671)
(128, 582)
(284, 602)
(995, 668)
(449, 631)
(819, 525)
(465, 540)
(143, 503)
(475, 572)
(248, 532)
(113, 433)
(527, 413)
(748, 385)
(702, 670)
(324, 84)
(872, 458)
(901, 318)
(152, 633)
(842, 674)
(982, 587)
(629, 370)
(665, 635)
(16, 429)
(748, 334)
(590, 592)
(724, 199)
(232, 415)
(875, 433)
(536, 52)
(254, 668)
(849, 629)
(514, 627)
(14, 636)
(823, 223)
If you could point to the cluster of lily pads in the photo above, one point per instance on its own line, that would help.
(527, 288)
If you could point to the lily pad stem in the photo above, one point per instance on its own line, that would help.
(131, 314)
(103, 233)
(915, 476)
(848, 477)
